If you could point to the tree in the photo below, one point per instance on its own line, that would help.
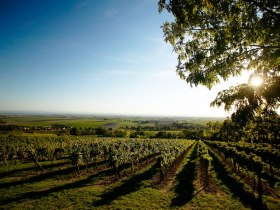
(230, 131)
(100, 131)
(217, 39)
(75, 131)
(261, 129)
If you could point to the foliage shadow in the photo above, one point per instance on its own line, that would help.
(131, 185)
(46, 175)
(15, 171)
(184, 188)
(69, 186)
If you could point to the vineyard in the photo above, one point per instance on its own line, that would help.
(116, 173)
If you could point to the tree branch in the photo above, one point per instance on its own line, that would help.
(264, 8)
(261, 46)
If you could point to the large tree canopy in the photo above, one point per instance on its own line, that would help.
(217, 39)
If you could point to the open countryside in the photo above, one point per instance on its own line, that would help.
(140, 104)
(136, 162)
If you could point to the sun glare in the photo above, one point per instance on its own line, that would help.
(256, 81)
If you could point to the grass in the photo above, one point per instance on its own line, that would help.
(130, 192)
(144, 198)
(214, 201)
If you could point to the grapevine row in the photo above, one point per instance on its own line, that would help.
(251, 161)
(117, 152)
(268, 154)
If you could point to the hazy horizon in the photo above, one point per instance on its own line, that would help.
(38, 113)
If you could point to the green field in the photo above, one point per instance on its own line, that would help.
(38, 120)
(93, 121)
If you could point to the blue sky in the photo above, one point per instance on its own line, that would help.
(91, 56)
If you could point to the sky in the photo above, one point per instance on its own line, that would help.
(94, 57)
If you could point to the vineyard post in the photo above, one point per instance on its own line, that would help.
(77, 167)
(132, 165)
(34, 158)
(159, 160)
